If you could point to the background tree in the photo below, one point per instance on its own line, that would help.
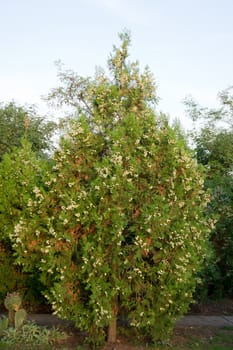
(121, 227)
(21, 173)
(213, 139)
(15, 121)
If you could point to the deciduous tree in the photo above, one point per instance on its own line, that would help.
(17, 122)
(213, 140)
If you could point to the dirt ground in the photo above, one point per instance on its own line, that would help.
(180, 336)
(127, 341)
(183, 338)
(213, 308)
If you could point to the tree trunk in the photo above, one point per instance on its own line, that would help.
(112, 327)
(112, 331)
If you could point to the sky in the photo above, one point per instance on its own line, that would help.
(187, 44)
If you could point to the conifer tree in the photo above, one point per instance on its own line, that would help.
(121, 226)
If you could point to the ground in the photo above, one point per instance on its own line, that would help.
(184, 337)
(213, 308)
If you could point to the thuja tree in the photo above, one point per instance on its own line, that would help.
(20, 174)
(121, 226)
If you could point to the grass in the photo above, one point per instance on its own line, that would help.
(184, 338)
(201, 339)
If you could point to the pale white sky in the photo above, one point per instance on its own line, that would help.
(188, 45)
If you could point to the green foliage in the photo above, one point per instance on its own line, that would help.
(16, 314)
(214, 149)
(20, 175)
(31, 335)
(4, 323)
(20, 317)
(121, 226)
(13, 301)
(21, 333)
(17, 122)
(11, 277)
